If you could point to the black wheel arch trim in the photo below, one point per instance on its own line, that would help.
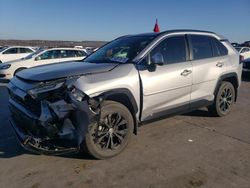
(224, 77)
(115, 95)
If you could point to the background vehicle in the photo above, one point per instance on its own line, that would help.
(14, 53)
(40, 57)
(98, 104)
(79, 47)
(244, 51)
(247, 44)
(234, 44)
(246, 67)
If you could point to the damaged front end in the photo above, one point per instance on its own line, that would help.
(53, 117)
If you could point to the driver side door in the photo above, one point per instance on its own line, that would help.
(166, 87)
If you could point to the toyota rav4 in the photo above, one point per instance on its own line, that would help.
(98, 104)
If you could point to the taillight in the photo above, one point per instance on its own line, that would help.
(241, 58)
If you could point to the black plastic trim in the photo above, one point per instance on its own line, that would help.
(121, 91)
(223, 77)
(178, 110)
(112, 95)
(167, 113)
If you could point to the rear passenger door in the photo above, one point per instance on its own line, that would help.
(209, 62)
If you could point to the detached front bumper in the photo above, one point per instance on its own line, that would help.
(36, 145)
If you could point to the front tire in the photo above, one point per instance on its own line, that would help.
(224, 100)
(112, 133)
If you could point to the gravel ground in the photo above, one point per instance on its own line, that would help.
(191, 150)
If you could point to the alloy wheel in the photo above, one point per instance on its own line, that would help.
(226, 99)
(110, 132)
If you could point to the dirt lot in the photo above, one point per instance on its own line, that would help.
(191, 150)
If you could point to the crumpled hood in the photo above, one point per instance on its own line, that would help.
(63, 70)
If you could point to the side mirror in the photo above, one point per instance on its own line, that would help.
(38, 58)
(157, 59)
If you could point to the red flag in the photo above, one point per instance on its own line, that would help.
(156, 28)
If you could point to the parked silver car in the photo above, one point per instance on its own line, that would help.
(99, 103)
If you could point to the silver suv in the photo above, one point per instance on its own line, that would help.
(99, 103)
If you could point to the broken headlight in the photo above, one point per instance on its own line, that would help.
(77, 94)
(46, 87)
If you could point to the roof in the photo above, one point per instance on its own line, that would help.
(19, 46)
(65, 48)
(153, 34)
(187, 30)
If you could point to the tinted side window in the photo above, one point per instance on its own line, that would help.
(220, 47)
(71, 53)
(62, 54)
(245, 50)
(201, 47)
(171, 50)
(25, 50)
(52, 54)
(11, 51)
(45, 55)
(81, 53)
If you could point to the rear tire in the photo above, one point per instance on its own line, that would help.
(112, 134)
(224, 100)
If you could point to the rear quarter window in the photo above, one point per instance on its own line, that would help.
(218, 48)
(81, 53)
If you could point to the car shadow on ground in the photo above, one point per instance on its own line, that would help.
(198, 113)
(245, 78)
(11, 148)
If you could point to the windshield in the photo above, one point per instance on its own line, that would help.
(121, 50)
(238, 49)
(33, 54)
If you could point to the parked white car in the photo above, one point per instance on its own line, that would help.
(14, 53)
(244, 51)
(40, 57)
